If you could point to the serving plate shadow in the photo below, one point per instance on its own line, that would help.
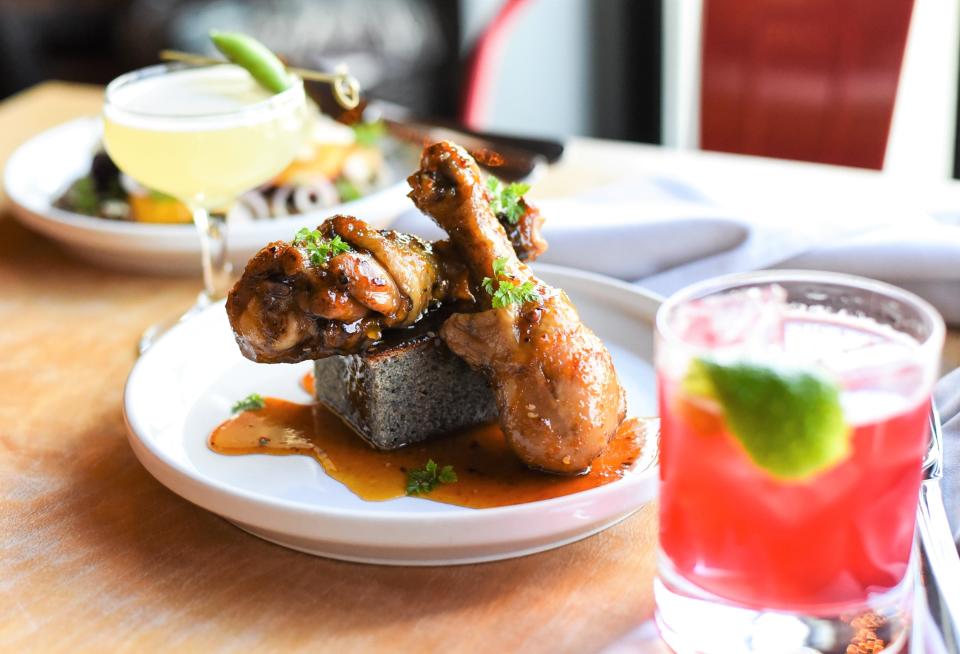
(186, 383)
(43, 167)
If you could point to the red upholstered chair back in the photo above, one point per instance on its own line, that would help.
(813, 80)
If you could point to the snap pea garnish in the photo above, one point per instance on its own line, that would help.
(345, 87)
(255, 57)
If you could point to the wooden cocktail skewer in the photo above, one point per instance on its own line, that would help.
(346, 88)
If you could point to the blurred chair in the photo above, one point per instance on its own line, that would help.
(405, 51)
(529, 69)
(57, 39)
(483, 63)
(849, 82)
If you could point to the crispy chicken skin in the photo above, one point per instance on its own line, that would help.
(556, 389)
(525, 235)
(285, 308)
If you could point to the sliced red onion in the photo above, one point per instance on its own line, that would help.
(257, 203)
(278, 201)
(317, 195)
(252, 205)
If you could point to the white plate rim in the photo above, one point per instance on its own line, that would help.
(44, 211)
(162, 466)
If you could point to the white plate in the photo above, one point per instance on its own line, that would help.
(184, 386)
(41, 169)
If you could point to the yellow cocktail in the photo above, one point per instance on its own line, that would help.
(202, 135)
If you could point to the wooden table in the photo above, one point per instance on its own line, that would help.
(97, 556)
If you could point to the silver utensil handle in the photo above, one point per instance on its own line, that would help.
(941, 564)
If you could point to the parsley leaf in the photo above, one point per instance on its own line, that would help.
(487, 284)
(252, 402)
(509, 293)
(318, 248)
(421, 482)
(506, 290)
(369, 134)
(505, 200)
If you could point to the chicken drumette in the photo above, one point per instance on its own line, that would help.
(556, 389)
(333, 291)
(291, 304)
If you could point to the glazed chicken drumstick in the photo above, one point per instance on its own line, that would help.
(331, 291)
(335, 290)
(555, 386)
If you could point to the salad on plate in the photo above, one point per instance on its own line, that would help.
(339, 163)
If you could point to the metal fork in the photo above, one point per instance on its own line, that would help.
(939, 560)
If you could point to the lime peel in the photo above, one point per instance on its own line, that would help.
(790, 422)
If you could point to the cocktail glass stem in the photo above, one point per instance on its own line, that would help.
(212, 228)
(202, 135)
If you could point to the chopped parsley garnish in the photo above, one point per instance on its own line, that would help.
(252, 402)
(421, 482)
(505, 200)
(369, 134)
(318, 248)
(347, 190)
(505, 290)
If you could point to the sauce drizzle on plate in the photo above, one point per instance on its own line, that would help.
(489, 473)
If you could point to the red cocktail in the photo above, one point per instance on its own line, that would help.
(794, 413)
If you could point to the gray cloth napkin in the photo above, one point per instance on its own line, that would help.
(663, 234)
(947, 397)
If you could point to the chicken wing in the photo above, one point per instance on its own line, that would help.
(555, 386)
(291, 304)
(288, 308)
(524, 234)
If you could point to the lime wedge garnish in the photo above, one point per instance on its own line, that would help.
(790, 422)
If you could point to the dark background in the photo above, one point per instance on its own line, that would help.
(410, 51)
(585, 67)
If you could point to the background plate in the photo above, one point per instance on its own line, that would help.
(184, 386)
(41, 169)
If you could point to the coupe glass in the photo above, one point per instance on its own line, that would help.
(203, 135)
(769, 542)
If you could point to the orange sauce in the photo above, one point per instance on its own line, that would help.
(489, 473)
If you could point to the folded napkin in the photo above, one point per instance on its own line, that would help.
(663, 234)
